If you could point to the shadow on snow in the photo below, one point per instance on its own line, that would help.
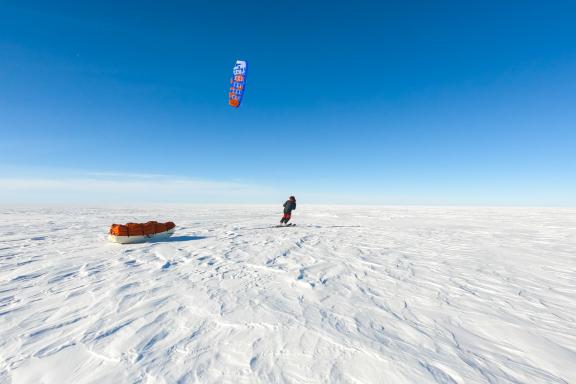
(177, 238)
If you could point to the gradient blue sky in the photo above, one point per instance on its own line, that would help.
(412, 102)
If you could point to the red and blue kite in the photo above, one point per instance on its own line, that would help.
(237, 83)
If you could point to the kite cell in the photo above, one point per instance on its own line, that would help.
(237, 83)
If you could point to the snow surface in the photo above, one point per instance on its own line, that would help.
(349, 295)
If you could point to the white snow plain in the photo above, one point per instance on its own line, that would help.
(349, 295)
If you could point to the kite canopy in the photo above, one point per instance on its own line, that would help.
(237, 83)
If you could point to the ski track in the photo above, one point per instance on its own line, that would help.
(349, 295)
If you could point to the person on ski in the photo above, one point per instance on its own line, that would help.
(289, 206)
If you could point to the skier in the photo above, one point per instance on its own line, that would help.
(289, 206)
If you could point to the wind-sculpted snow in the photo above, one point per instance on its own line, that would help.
(349, 295)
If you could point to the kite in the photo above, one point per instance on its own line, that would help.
(237, 83)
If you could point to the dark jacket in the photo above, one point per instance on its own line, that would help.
(289, 206)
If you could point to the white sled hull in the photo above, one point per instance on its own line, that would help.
(140, 239)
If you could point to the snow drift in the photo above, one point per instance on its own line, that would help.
(350, 295)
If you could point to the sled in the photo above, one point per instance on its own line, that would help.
(139, 233)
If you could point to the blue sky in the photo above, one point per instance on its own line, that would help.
(412, 102)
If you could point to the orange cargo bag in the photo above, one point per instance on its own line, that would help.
(149, 228)
(119, 230)
(161, 227)
(135, 229)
